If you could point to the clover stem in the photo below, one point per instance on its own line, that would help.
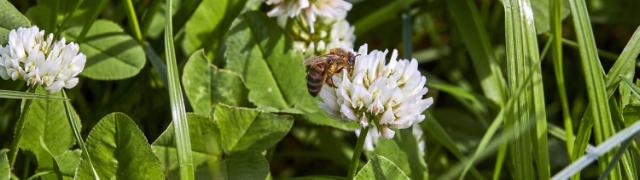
(357, 152)
(13, 152)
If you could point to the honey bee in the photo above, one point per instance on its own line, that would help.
(321, 68)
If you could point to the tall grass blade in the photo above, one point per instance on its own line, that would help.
(8, 94)
(76, 133)
(600, 150)
(132, 18)
(598, 91)
(523, 58)
(178, 113)
(555, 11)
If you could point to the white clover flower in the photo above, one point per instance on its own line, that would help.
(373, 137)
(328, 9)
(338, 34)
(40, 61)
(385, 95)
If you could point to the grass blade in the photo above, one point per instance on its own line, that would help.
(623, 65)
(523, 58)
(600, 150)
(599, 105)
(8, 94)
(178, 113)
(132, 18)
(556, 30)
(76, 133)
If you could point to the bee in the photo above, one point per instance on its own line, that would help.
(321, 68)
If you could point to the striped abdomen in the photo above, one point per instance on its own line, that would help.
(315, 78)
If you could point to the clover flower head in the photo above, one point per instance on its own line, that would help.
(310, 10)
(373, 137)
(386, 95)
(39, 60)
(329, 35)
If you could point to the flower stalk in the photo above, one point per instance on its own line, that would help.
(13, 152)
(355, 160)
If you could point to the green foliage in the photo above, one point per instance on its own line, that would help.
(204, 143)
(250, 115)
(111, 54)
(5, 169)
(47, 134)
(10, 18)
(208, 25)
(403, 150)
(119, 150)
(229, 143)
(257, 49)
(206, 85)
(380, 167)
(249, 130)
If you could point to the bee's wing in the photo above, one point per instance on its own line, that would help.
(314, 60)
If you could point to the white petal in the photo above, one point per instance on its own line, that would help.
(387, 133)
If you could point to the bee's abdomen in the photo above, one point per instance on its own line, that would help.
(315, 79)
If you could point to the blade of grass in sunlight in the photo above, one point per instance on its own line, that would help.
(600, 150)
(8, 94)
(178, 113)
(132, 18)
(76, 133)
(476, 39)
(523, 58)
(555, 11)
(597, 95)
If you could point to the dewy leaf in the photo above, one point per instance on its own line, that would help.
(205, 85)
(10, 18)
(119, 150)
(380, 167)
(275, 76)
(243, 129)
(111, 53)
(204, 143)
(404, 151)
(46, 120)
(5, 169)
(208, 24)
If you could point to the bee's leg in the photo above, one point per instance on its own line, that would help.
(329, 81)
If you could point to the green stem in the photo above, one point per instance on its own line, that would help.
(556, 39)
(96, 11)
(13, 153)
(76, 132)
(132, 19)
(357, 152)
